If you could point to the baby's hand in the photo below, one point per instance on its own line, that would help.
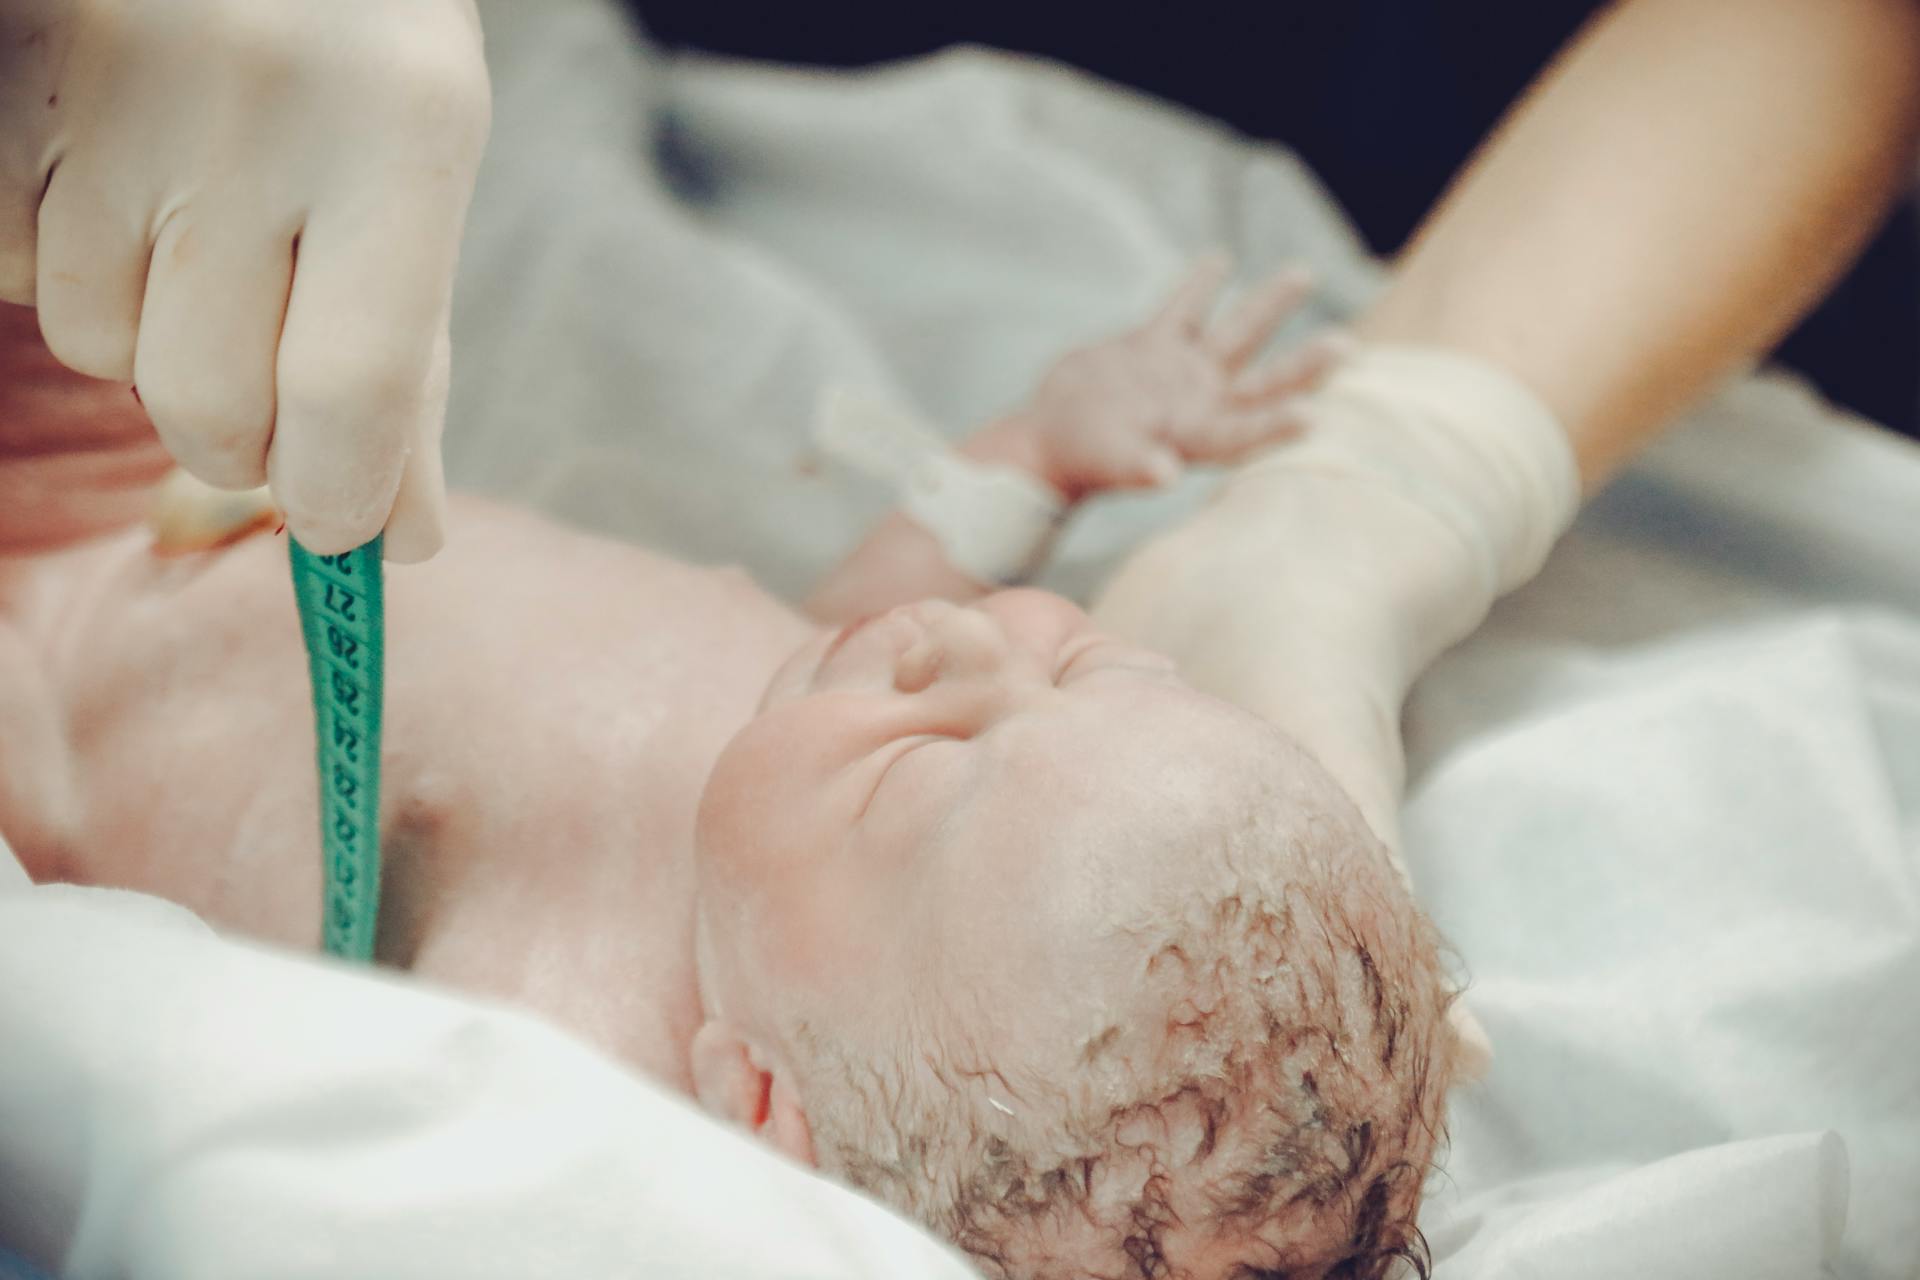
(1132, 411)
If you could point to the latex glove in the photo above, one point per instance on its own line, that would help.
(252, 211)
(1185, 387)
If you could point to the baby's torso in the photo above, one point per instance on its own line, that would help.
(554, 704)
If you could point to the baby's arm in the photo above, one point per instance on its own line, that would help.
(1130, 412)
(1635, 230)
(900, 560)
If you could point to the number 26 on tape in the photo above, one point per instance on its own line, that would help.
(346, 694)
(344, 646)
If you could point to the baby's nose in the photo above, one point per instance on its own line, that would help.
(957, 644)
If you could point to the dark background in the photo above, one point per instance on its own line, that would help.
(1384, 98)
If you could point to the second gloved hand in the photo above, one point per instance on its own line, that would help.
(252, 212)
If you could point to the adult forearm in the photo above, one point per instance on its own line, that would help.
(1269, 599)
(1683, 184)
(1324, 577)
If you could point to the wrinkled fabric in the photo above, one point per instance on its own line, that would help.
(179, 1105)
(1665, 803)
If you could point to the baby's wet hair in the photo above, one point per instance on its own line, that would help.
(1283, 1127)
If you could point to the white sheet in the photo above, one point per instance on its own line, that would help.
(1667, 804)
(174, 1106)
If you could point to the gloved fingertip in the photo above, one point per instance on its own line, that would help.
(417, 528)
(413, 541)
(330, 536)
(325, 514)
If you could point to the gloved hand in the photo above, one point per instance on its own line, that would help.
(1184, 387)
(251, 211)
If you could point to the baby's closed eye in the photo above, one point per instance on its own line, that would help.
(1108, 654)
(897, 751)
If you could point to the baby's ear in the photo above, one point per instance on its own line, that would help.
(787, 1126)
(724, 1077)
(731, 1083)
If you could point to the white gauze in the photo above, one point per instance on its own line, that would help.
(1463, 441)
(993, 523)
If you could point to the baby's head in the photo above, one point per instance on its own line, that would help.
(1094, 974)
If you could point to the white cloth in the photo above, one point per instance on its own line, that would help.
(12, 874)
(993, 523)
(178, 1105)
(1666, 803)
(1457, 437)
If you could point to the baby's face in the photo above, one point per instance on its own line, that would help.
(974, 796)
(989, 860)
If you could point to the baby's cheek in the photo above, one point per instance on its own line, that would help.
(760, 832)
(783, 780)
(781, 882)
(733, 804)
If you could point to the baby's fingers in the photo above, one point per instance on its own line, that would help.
(1246, 328)
(1232, 434)
(1185, 312)
(1292, 372)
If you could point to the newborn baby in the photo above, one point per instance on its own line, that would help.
(965, 901)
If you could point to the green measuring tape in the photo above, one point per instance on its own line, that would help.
(342, 602)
